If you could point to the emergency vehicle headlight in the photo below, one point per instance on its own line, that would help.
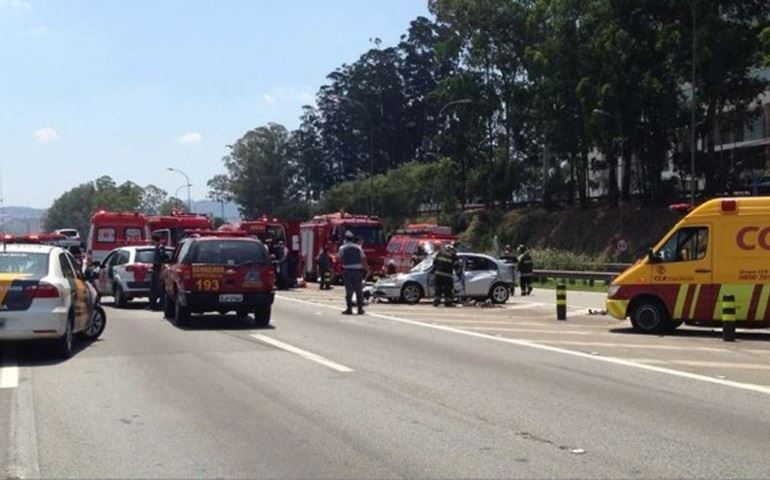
(612, 290)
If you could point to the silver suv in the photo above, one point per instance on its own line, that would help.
(125, 273)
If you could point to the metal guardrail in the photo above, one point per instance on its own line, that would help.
(589, 277)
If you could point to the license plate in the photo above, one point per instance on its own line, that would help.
(231, 298)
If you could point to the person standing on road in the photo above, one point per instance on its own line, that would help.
(282, 265)
(444, 268)
(159, 257)
(324, 262)
(526, 269)
(354, 270)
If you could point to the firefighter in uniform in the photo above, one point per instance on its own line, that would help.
(354, 270)
(443, 268)
(526, 268)
(159, 257)
(325, 268)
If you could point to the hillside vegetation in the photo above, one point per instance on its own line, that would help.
(568, 236)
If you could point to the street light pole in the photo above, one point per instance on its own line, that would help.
(189, 202)
(371, 142)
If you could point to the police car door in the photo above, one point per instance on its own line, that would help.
(77, 292)
(478, 275)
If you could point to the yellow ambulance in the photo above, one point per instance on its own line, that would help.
(721, 247)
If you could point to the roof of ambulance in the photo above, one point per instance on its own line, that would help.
(745, 206)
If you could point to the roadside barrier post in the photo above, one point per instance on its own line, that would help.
(728, 318)
(561, 301)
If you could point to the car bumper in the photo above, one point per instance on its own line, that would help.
(209, 302)
(137, 289)
(387, 291)
(617, 309)
(28, 325)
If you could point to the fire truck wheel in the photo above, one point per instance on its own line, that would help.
(120, 298)
(181, 314)
(411, 293)
(262, 315)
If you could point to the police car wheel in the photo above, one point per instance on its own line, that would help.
(649, 316)
(411, 293)
(97, 325)
(499, 293)
(262, 315)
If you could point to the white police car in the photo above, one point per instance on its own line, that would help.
(43, 296)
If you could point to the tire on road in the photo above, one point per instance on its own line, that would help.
(499, 293)
(120, 298)
(181, 314)
(262, 315)
(96, 326)
(411, 293)
(649, 315)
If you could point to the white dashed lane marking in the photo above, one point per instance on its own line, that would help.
(9, 373)
(302, 353)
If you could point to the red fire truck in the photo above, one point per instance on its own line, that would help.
(110, 230)
(330, 230)
(410, 245)
(271, 228)
(173, 228)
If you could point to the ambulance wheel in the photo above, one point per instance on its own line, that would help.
(650, 316)
(262, 315)
(411, 293)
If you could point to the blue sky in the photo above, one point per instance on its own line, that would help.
(128, 87)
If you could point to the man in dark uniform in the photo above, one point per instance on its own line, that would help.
(325, 268)
(443, 268)
(354, 270)
(159, 257)
(526, 268)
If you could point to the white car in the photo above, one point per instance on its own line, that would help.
(125, 273)
(42, 296)
(73, 237)
(480, 277)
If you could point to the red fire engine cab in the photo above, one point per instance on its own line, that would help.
(110, 230)
(410, 245)
(330, 230)
(272, 230)
(175, 227)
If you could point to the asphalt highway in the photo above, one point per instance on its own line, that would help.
(403, 391)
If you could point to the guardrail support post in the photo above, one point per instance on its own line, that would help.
(728, 318)
(561, 301)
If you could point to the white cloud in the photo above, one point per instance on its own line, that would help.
(291, 95)
(15, 4)
(46, 135)
(190, 138)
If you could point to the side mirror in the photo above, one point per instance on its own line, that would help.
(651, 257)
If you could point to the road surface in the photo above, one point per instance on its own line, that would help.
(404, 391)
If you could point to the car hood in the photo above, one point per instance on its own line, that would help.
(401, 278)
